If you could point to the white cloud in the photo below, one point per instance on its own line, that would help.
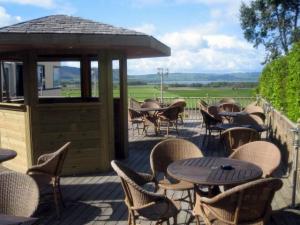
(7, 19)
(39, 3)
(198, 49)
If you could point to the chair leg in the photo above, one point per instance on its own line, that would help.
(55, 196)
(60, 193)
(190, 199)
(175, 220)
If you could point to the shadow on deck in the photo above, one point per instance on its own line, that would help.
(98, 199)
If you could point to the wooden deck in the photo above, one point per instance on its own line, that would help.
(98, 199)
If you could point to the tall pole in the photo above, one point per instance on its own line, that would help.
(162, 72)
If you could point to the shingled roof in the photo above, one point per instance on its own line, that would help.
(66, 24)
(60, 32)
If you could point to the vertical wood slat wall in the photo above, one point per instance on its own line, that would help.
(43, 128)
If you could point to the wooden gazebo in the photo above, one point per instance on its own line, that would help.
(33, 125)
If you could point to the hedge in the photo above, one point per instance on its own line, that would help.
(280, 83)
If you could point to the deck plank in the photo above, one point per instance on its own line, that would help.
(98, 199)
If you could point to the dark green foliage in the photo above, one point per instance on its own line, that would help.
(280, 83)
(271, 23)
(293, 84)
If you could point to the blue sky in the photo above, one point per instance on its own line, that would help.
(204, 35)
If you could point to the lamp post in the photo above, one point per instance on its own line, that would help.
(296, 144)
(162, 72)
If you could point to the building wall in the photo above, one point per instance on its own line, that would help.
(14, 135)
(80, 123)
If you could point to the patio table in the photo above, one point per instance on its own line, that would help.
(212, 171)
(15, 220)
(232, 114)
(7, 154)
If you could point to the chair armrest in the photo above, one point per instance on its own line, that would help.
(44, 158)
(146, 177)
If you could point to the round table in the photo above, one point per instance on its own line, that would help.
(258, 128)
(7, 154)
(214, 171)
(232, 114)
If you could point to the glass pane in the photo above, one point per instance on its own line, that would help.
(12, 81)
(59, 79)
(116, 78)
(95, 78)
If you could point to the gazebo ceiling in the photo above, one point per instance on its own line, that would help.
(65, 33)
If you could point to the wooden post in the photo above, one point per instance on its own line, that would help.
(30, 100)
(107, 115)
(123, 107)
(85, 77)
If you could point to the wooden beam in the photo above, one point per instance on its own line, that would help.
(85, 77)
(107, 115)
(123, 106)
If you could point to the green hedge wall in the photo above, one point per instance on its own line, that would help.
(280, 83)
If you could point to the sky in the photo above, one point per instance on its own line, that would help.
(204, 35)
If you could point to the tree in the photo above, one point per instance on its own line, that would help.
(271, 23)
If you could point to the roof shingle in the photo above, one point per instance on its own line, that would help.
(66, 24)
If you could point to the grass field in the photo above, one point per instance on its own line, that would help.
(148, 91)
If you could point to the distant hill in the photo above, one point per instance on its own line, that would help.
(72, 73)
(197, 77)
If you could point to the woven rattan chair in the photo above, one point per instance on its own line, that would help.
(230, 107)
(133, 103)
(152, 206)
(136, 119)
(248, 203)
(248, 119)
(237, 136)
(263, 154)
(169, 117)
(19, 194)
(256, 110)
(214, 110)
(151, 116)
(166, 152)
(48, 171)
(181, 103)
(227, 100)
(210, 124)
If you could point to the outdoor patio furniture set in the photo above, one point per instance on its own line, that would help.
(152, 112)
(234, 190)
(21, 194)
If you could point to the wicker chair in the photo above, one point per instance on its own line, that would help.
(248, 203)
(227, 100)
(180, 103)
(256, 111)
(248, 119)
(19, 194)
(48, 171)
(136, 118)
(170, 117)
(263, 154)
(133, 103)
(210, 124)
(214, 110)
(230, 107)
(166, 152)
(152, 206)
(237, 136)
(151, 116)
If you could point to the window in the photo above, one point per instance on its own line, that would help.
(94, 78)
(116, 78)
(59, 79)
(12, 81)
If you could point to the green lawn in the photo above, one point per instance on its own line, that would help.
(148, 91)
